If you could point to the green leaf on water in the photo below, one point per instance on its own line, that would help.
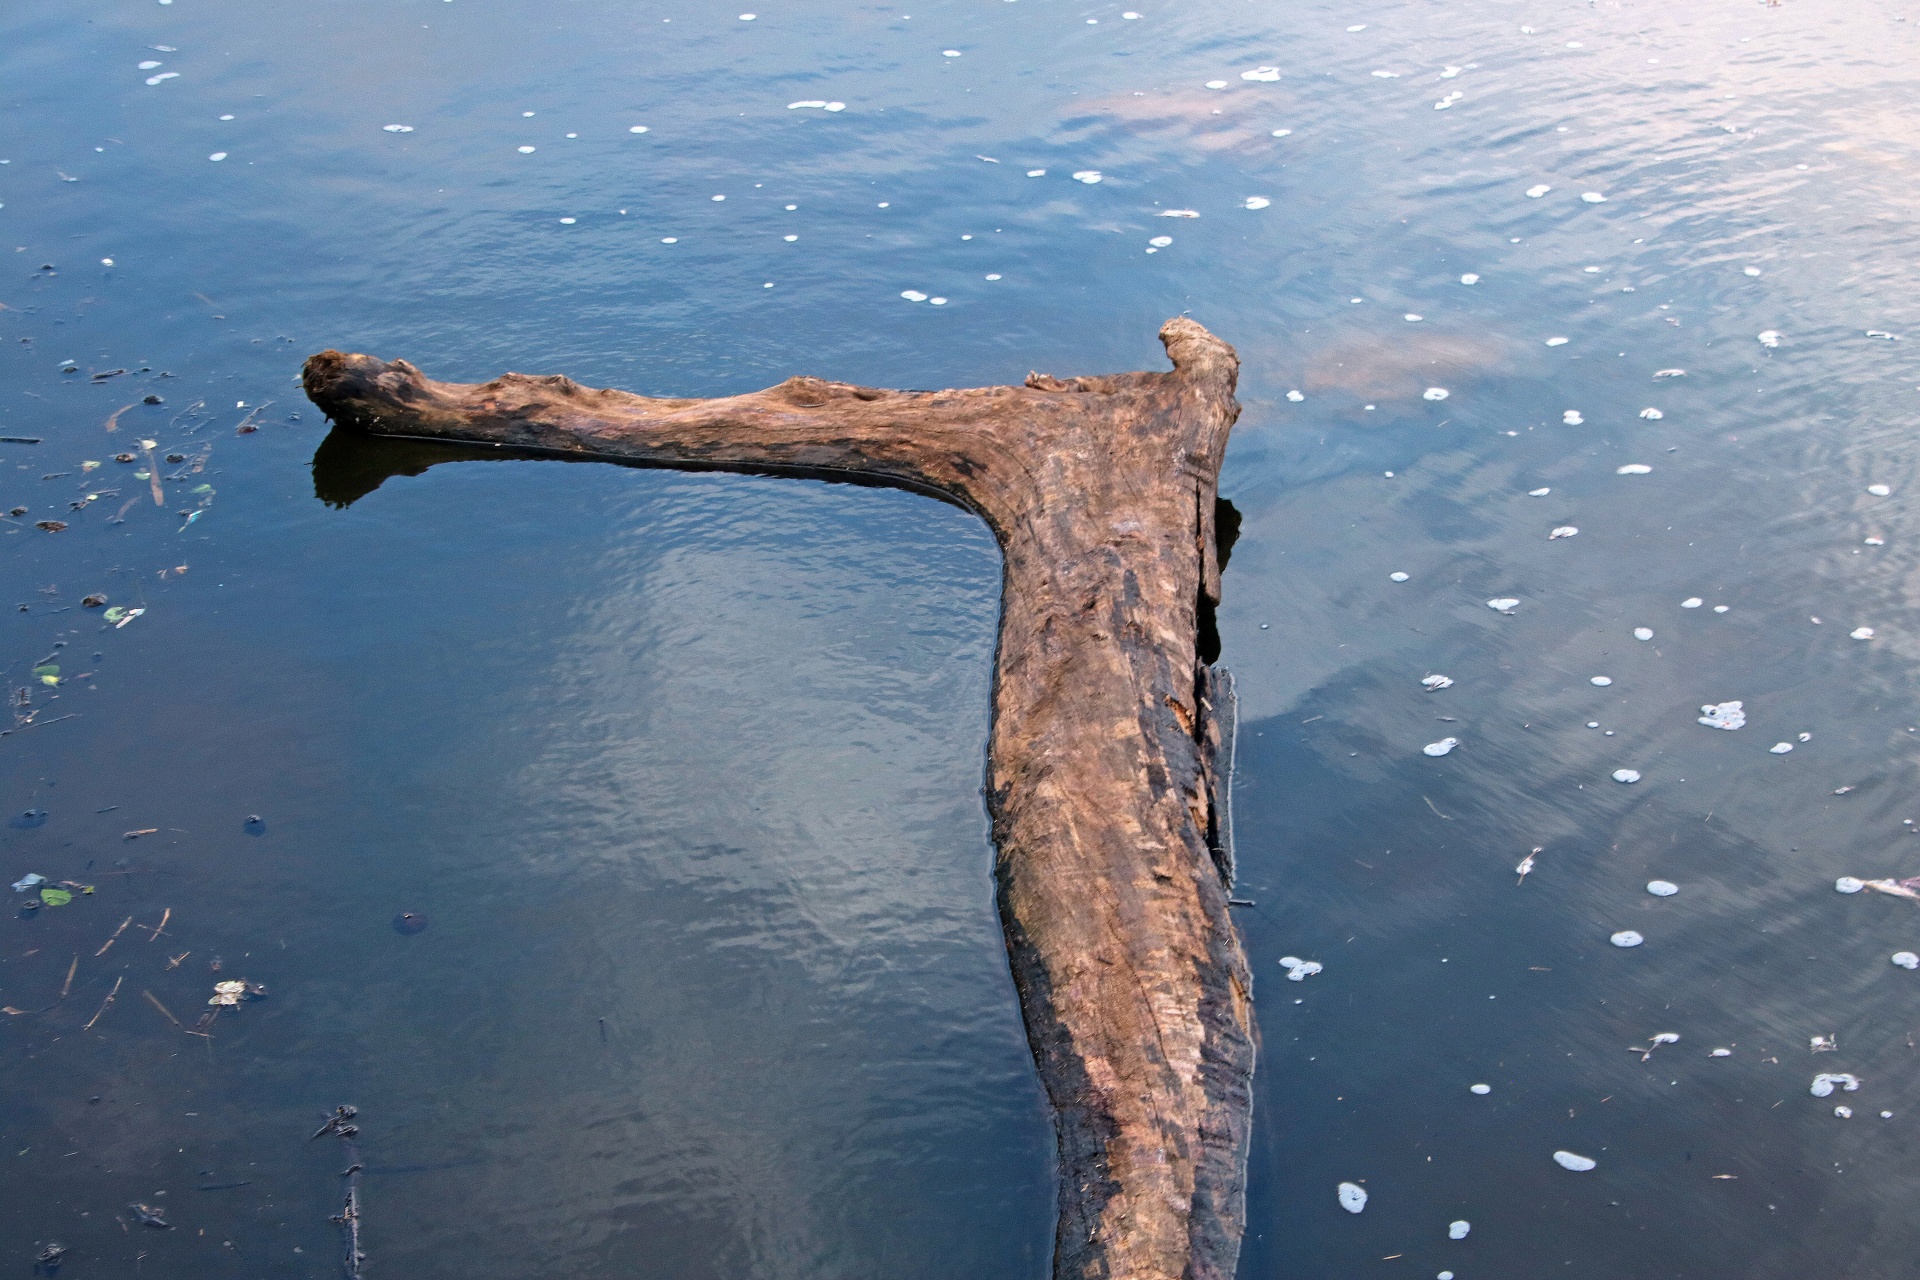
(115, 614)
(48, 674)
(56, 897)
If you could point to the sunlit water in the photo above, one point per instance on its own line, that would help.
(682, 771)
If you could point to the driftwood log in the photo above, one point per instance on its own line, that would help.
(1112, 870)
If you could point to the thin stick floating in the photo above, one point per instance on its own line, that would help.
(1103, 761)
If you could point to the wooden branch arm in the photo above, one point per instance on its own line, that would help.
(1101, 783)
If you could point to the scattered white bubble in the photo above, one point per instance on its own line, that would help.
(1161, 242)
(1669, 373)
(1281, 133)
(1264, 74)
(1720, 608)
(1441, 747)
(993, 275)
(1626, 776)
(1593, 197)
(1299, 970)
(1633, 469)
(1482, 1089)
(1535, 192)
(1358, 26)
(397, 128)
(567, 222)
(1295, 396)
(1458, 1229)
(1470, 277)
(1556, 342)
(638, 128)
(1216, 84)
(1563, 531)
(1653, 415)
(1131, 16)
(218, 155)
(1257, 202)
(1662, 888)
(1873, 541)
(1396, 576)
(1179, 213)
(1578, 1164)
(1036, 173)
(1721, 1053)
(1451, 72)
(1538, 493)
(163, 77)
(1770, 338)
(1572, 418)
(150, 64)
(669, 239)
(1436, 682)
(1780, 748)
(1822, 1086)
(717, 198)
(1723, 715)
(1413, 317)
(1861, 633)
(1879, 490)
(1600, 682)
(1088, 176)
(1435, 393)
(1753, 271)
(1503, 604)
(1848, 884)
(1643, 633)
(1353, 1197)
(1844, 1112)
(913, 295)
(949, 53)
(748, 17)
(526, 151)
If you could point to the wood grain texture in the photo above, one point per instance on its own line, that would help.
(1101, 491)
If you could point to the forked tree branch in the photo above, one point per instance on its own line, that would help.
(1101, 491)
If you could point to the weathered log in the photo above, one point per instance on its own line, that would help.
(1101, 491)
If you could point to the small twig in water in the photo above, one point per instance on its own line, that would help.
(104, 1003)
(115, 938)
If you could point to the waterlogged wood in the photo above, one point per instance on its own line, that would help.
(1101, 774)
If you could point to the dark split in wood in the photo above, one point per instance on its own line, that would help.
(1106, 759)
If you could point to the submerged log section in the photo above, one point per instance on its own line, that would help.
(1101, 491)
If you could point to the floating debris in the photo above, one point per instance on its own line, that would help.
(1669, 373)
(1823, 1083)
(1844, 1112)
(1436, 682)
(1720, 1053)
(1265, 75)
(1823, 1044)
(1299, 970)
(1879, 490)
(1563, 531)
(1177, 213)
(1593, 197)
(1848, 884)
(1572, 418)
(409, 923)
(1665, 1037)
(1599, 682)
(1771, 338)
(1906, 959)
(1435, 393)
(1723, 715)
(1780, 748)
(1882, 333)
(1626, 938)
(814, 104)
(1088, 176)
(1633, 469)
(397, 128)
(1470, 278)
(1161, 242)
(1525, 868)
(149, 1216)
(913, 295)
(1535, 192)
(1294, 396)
(1692, 602)
(1662, 888)
(1441, 747)
(1256, 202)
(1481, 1089)
(1458, 1229)
(1503, 604)
(230, 994)
(1643, 633)
(1396, 576)
(1861, 633)
(1557, 342)
(1538, 493)
(29, 882)
(1575, 1163)
(1353, 1197)
(1652, 414)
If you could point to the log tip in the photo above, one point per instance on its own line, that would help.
(1195, 352)
(344, 384)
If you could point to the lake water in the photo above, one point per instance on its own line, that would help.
(682, 772)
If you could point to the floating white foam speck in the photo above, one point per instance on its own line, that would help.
(1387, 75)
(1396, 576)
(1263, 74)
(1441, 747)
(1299, 970)
(1593, 197)
(1257, 202)
(638, 128)
(1503, 604)
(1861, 633)
(1662, 888)
(218, 155)
(1572, 417)
(567, 222)
(1848, 884)
(949, 53)
(1482, 1089)
(526, 151)
(1723, 715)
(1535, 192)
(1780, 748)
(397, 128)
(150, 64)
(1161, 242)
(1470, 278)
(1436, 682)
(1653, 415)
(1770, 338)
(1281, 133)
(1564, 531)
(1413, 317)
(1216, 84)
(913, 295)
(1879, 490)
(1295, 396)
(1088, 176)
(1643, 633)
(1628, 776)
(1434, 393)
(1353, 1197)
(1179, 213)
(1556, 342)
(1633, 469)
(1576, 1163)
(1458, 1229)
(1669, 373)
(1600, 682)
(1538, 493)
(1906, 959)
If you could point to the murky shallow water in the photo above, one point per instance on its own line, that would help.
(682, 770)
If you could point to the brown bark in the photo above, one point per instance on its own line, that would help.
(1101, 491)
